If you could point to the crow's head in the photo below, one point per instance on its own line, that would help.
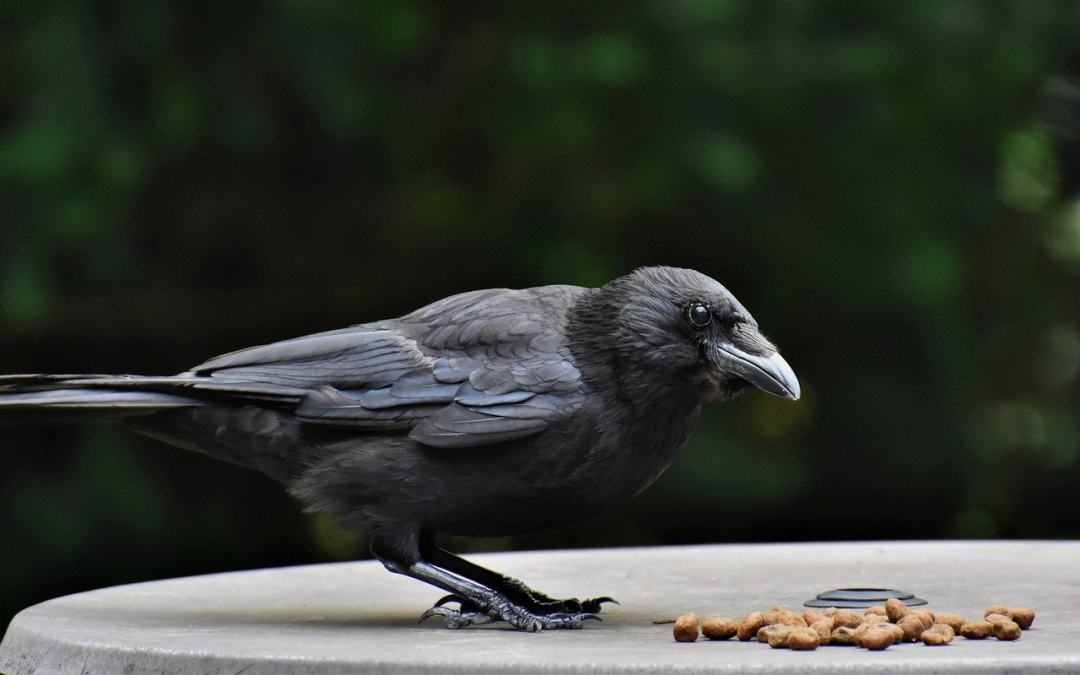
(678, 325)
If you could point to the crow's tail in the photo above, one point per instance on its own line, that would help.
(28, 399)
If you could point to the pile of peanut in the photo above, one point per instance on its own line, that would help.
(877, 628)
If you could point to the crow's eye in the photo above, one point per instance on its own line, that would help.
(698, 314)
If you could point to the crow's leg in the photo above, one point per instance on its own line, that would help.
(483, 605)
(400, 553)
(512, 588)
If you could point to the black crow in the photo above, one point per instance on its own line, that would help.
(491, 413)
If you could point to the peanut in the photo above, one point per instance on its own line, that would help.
(952, 619)
(976, 630)
(824, 629)
(1007, 630)
(876, 609)
(778, 635)
(997, 609)
(938, 634)
(686, 628)
(749, 626)
(927, 617)
(846, 617)
(997, 618)
(842, 636)
(791, 619)
(719, 627)
(895, 609)
(863, 630)
(912, 626)
(812, 616)
(784, 617)
(1023, 616)
(803, 639)
(876, 636)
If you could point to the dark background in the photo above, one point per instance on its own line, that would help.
(891, 188)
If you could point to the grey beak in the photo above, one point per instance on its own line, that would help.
(768, 373)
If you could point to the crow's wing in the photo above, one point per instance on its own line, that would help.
(473, 369)
(365, 356)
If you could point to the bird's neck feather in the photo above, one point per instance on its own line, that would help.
(655, 408)
(612, 370)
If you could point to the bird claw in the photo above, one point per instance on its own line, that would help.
(450, 598)
(518, 617)
(593, 605)
(571, 605)
(453, 618)
(522, 619)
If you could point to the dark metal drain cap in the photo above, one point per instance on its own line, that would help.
(861, 598)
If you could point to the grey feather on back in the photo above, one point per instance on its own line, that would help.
(362, 356)
(473, 369)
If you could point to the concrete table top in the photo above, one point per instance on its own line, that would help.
(356, 617)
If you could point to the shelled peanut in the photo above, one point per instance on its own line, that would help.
(877, 628)
(686, 628)
(719, 627)
(938, 634)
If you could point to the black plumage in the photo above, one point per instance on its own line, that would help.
(489, 413)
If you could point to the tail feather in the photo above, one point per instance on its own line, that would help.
(60, 398)
(37, 398)
(91, 398)
(243, 422)
(184, 384)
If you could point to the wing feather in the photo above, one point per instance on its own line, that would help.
(473, 369)
(457, 426)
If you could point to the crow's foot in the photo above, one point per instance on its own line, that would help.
(481, 604)
(471, 614)
(572, 605)
(510, 588)
(457, 618)
(539, 603)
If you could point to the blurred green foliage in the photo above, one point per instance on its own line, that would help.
(886, 185)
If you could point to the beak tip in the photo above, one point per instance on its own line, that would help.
(784, 378)
(769, 373)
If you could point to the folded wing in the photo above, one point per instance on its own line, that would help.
(474, 369)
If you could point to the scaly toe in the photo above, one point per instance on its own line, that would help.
(524, 619)
(570, 620)
(452, 618)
